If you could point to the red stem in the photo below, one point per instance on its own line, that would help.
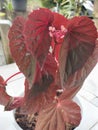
(5, 82)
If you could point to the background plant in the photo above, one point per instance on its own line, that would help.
(68, 8)
(8, 9)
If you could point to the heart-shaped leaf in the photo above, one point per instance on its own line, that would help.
(61, 115)
(79, 44)
(22, 57)
(34, 102)
(36, 33)
(43, 89)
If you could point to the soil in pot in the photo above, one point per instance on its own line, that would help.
(28, 122)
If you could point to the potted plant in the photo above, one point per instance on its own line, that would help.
(19, 5)
(55, 55)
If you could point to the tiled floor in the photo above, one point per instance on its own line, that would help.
(87, 96)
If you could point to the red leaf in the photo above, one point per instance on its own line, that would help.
(35, 101)
(14, 103)
(37, 33)
(4, 97)
(76, 49)
(43, 89)
(6, 100)
(59, 20)
(45, 76)
(69, 94)
(2, 82)
(59, 116)
(62, 63)
(77, 78)
(81, 30)
(50, 65)
(22, 57)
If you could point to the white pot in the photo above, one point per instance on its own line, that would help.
(7, 120)
(17, 127)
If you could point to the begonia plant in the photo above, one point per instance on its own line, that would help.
(55, 54)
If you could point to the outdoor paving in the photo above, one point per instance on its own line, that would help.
(87, 99)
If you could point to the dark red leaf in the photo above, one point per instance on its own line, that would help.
(43, 89)
(62, 63)
(78, 46)
(36, 33)
(59, 116)
(2, 82)
(6, 100)
(14, 103)
(45, 76)
(59, 20)
(35, 101)
(4, 97)
(77, 79)
(69, 94)
(81, 30)
(22, 57)
(50, 65)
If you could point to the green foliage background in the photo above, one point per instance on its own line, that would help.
(68, 8)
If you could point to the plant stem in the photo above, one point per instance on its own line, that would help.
(11, 77)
